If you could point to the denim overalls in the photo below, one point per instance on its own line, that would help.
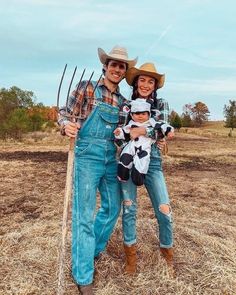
(95, 168)
(157, 191)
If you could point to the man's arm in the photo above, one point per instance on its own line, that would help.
(74, 106)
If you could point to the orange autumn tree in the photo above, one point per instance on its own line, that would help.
(195, 115)
(200, 113)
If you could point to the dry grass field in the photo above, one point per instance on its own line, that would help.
(200, 170)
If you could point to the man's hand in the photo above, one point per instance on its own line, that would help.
(71, 129)
(137, 131)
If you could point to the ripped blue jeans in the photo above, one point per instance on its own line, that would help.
(157, 191)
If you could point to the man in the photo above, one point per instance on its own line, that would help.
(95, 166)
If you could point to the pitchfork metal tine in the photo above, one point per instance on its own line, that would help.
(78, 86)
(84, 91)
(88, 83)
(68, 93)
(76, 91)
(59, 88)
(96, 85)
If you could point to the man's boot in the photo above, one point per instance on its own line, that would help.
(86, 289)
(168, 254)
(131, 259)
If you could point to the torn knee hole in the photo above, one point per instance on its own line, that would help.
(128, 202)
(165, 209)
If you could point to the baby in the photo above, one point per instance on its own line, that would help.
(135, 156)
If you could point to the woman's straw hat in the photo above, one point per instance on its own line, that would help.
(117, 53)
(147, 69)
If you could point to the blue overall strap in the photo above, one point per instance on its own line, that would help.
(98, 92)
(121, 100)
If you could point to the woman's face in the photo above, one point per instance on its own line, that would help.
(146, 85)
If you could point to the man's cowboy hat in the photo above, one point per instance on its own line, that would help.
(117, 53)
(147, 69)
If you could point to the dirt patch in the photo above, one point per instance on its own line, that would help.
(200, 173)
(47, 156)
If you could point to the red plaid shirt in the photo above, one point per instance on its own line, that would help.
(82, 103)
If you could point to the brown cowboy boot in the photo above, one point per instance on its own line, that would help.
(86, 289)
(168, 254)
(131, 259)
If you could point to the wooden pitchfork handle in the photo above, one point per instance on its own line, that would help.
(68, 192)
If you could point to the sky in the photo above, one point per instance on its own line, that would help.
(192, 41)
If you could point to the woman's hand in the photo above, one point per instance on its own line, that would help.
(137, 131)
(71, 129)
(161, 143)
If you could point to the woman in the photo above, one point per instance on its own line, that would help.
(145, 82)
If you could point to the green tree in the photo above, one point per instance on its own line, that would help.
(16, 124)
(36, 121)
(25, 98)
(230, 114)
(186, 116)
(16, 97)
(13, 98)
(175, 120)
(8, 103)
(14, 111)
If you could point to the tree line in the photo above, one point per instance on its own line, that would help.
(196, 115)
(19, 113)
(193, 115)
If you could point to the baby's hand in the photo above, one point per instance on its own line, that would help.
(117, 132)
(170, 135)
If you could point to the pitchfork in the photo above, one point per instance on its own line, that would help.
(69, 174)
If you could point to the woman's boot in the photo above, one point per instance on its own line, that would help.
(168, 254)
(86, 289)
(131, 259)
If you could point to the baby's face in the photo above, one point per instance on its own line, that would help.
(140, 117)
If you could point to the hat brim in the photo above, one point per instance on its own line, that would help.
(103, 56)
(132, 73)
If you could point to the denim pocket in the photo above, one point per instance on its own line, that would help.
(109, 117)
(82, 148)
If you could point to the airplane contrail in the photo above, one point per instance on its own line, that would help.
(162, 35)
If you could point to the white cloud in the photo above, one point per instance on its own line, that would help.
(214, 86)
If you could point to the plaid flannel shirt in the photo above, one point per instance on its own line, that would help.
(160, 112)
(82, 102)
(163, 107)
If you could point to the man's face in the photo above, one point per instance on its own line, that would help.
(115, 71)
